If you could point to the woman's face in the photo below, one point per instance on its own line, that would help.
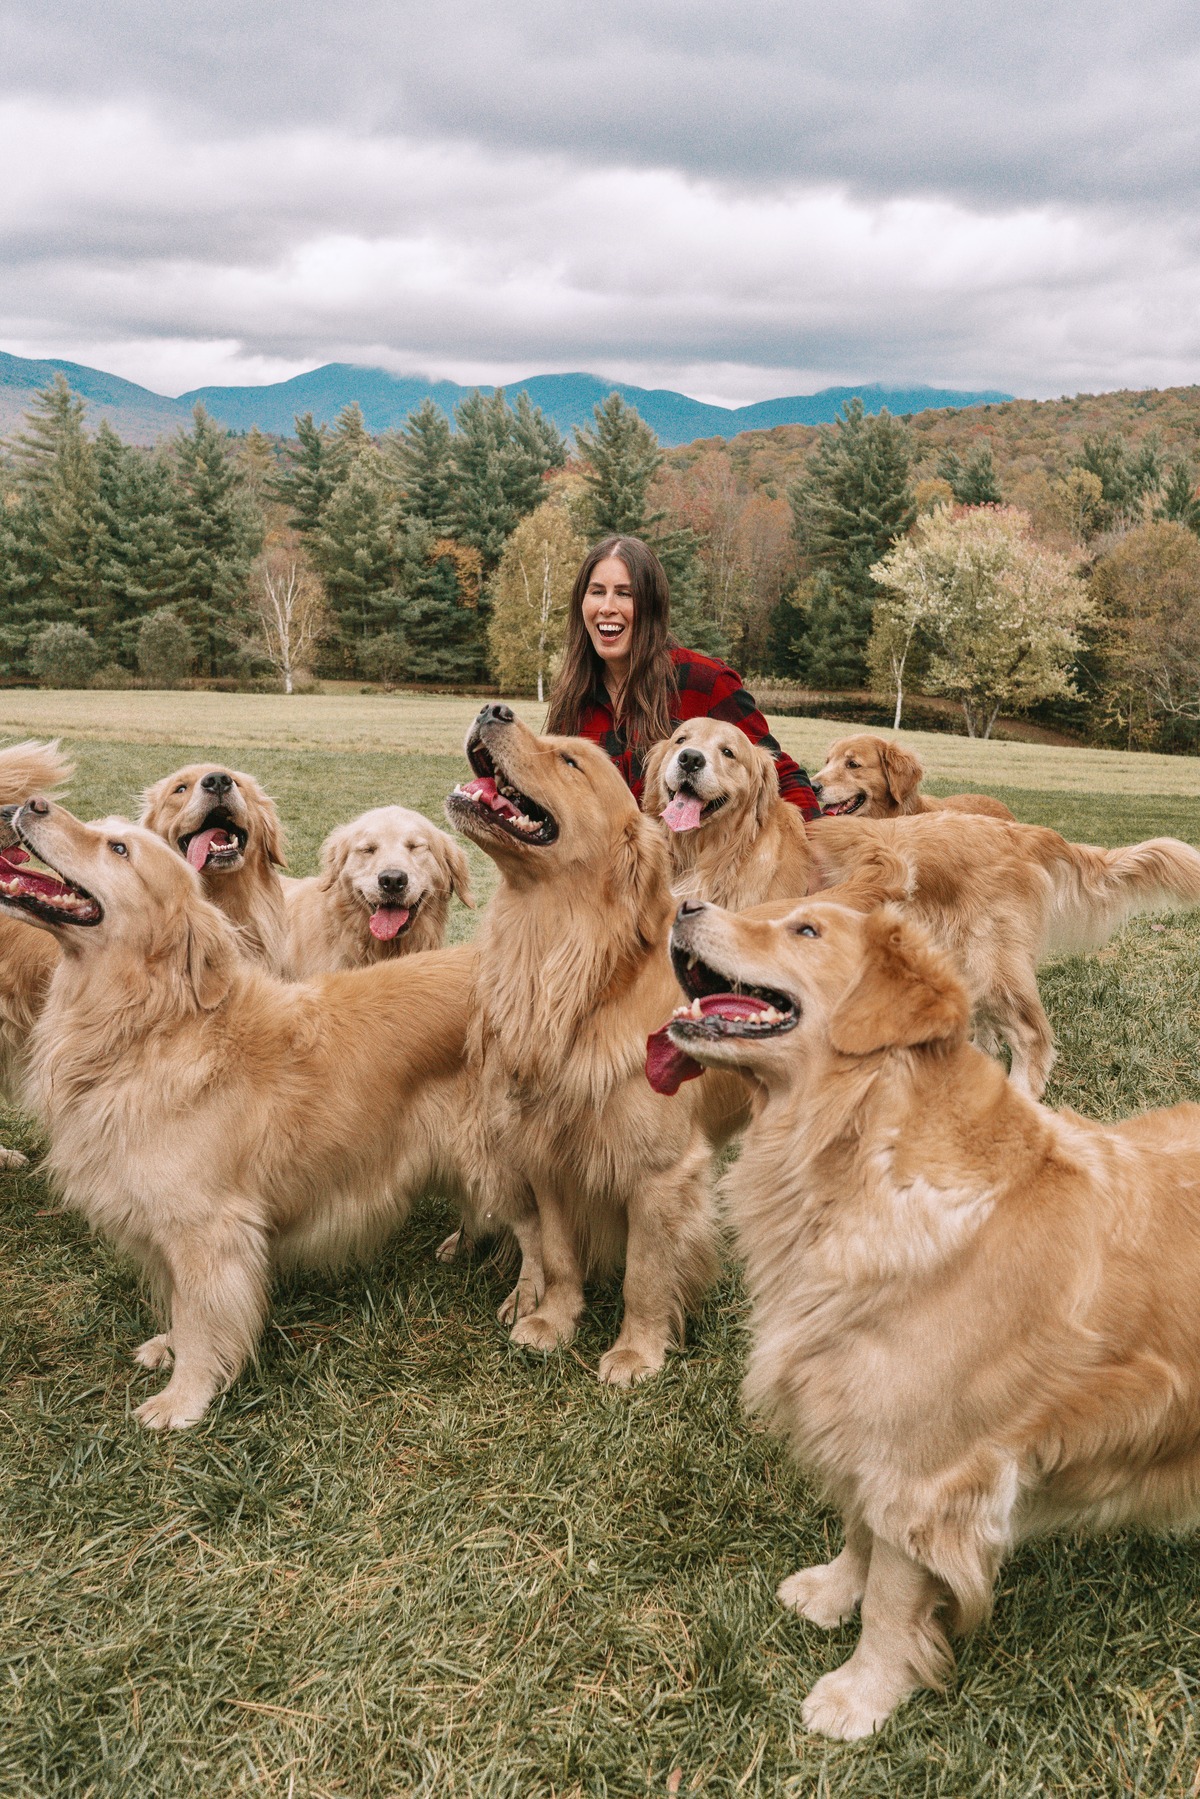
(608, 612)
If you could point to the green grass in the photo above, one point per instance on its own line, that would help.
(403, 1557)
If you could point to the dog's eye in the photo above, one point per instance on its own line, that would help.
(851, 764)
(570, 761)
(118, 849)
(182, 788)
(805, 930)
(728, 753)
(368, 849)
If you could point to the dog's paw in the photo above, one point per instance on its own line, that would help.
(822, 1594)
(850, 1703)
(12, 1158)
(170, 1411)
(452, 1245)
(523, 1300)
(625, 1367)
(155, 1352)
(539, 1332)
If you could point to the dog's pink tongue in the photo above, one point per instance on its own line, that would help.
(667, 1068)
(198, 848)
(683, 813)
(387, 920)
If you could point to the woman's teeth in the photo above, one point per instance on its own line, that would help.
(610, 631)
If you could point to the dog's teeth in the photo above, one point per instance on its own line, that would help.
(692, 961)
(695, 1008)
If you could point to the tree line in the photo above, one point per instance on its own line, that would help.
(445, 553)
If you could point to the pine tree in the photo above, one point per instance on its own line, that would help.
(973, 482)
(424, 459)
(351, 439)
(441, 619)
(356, 553)
(500, 458)
(623, 457)
(220, 536)
(142, 564)
(308, 478)
(853, 501)
(57, 465)
(24, 579)
(1180, 502)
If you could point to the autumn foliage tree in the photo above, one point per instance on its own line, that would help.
(530, 592)
(997, 613)
(1146, 592)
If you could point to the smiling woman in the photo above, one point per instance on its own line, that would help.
(625, 683)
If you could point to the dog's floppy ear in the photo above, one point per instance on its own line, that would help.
(269, 826)
(901, 770)
(640, 875)
(654, 794)
(904, 994)
(152, 800)
(766, 786)
(334, 851)
(211, 953)
(455, 862)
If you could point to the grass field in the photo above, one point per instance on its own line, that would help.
(401, 1557)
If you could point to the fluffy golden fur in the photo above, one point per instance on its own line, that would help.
(875, 777)
(573, 976)
(972, 1318)
(214, 1121)
(26, 962)
(748, 845)
(388, 865)
(1001, 898)
(240, 868)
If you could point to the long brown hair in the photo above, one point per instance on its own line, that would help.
(645, 699)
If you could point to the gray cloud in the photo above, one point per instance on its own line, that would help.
(735, 201)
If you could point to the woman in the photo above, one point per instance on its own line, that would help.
(626, 683)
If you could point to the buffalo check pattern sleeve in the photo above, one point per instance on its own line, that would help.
(705, 688)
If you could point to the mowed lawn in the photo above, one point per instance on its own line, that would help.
(402, 1557)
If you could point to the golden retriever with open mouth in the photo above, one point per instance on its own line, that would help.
(573, 977)
(26, 962)
(383, 890)
(873, 777)
(972, 1318)
(228, 829)
(216, 1122)
(732, 839)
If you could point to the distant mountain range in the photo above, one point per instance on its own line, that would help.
(141, 416)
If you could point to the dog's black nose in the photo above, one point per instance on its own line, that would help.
(818, 787)
(217, 784)
(392, 880)
(690, 906)
(39, 807)
(688, 761)
(495, 713)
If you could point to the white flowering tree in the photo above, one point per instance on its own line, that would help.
(996, 612)
(530, 592)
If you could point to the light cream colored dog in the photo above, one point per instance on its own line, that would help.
(875, 777)
(573, 976)
(383, 890)
(228, 829)
(216, 1122)
(971, 1317)
(732, 839)
(26, 962)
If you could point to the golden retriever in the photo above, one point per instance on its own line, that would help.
(1002, 898)
(26, 963)
(573, 976)
(971, 1317)
(875, 777)
(217, 1122)
(224, 824)
(732, 839)
(383, 890)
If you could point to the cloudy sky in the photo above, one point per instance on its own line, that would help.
(735, 199)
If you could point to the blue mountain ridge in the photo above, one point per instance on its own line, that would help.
(386, 401)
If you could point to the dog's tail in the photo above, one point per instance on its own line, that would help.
(1096, 890)
(29, 768)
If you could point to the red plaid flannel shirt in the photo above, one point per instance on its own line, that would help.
(706, 688)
